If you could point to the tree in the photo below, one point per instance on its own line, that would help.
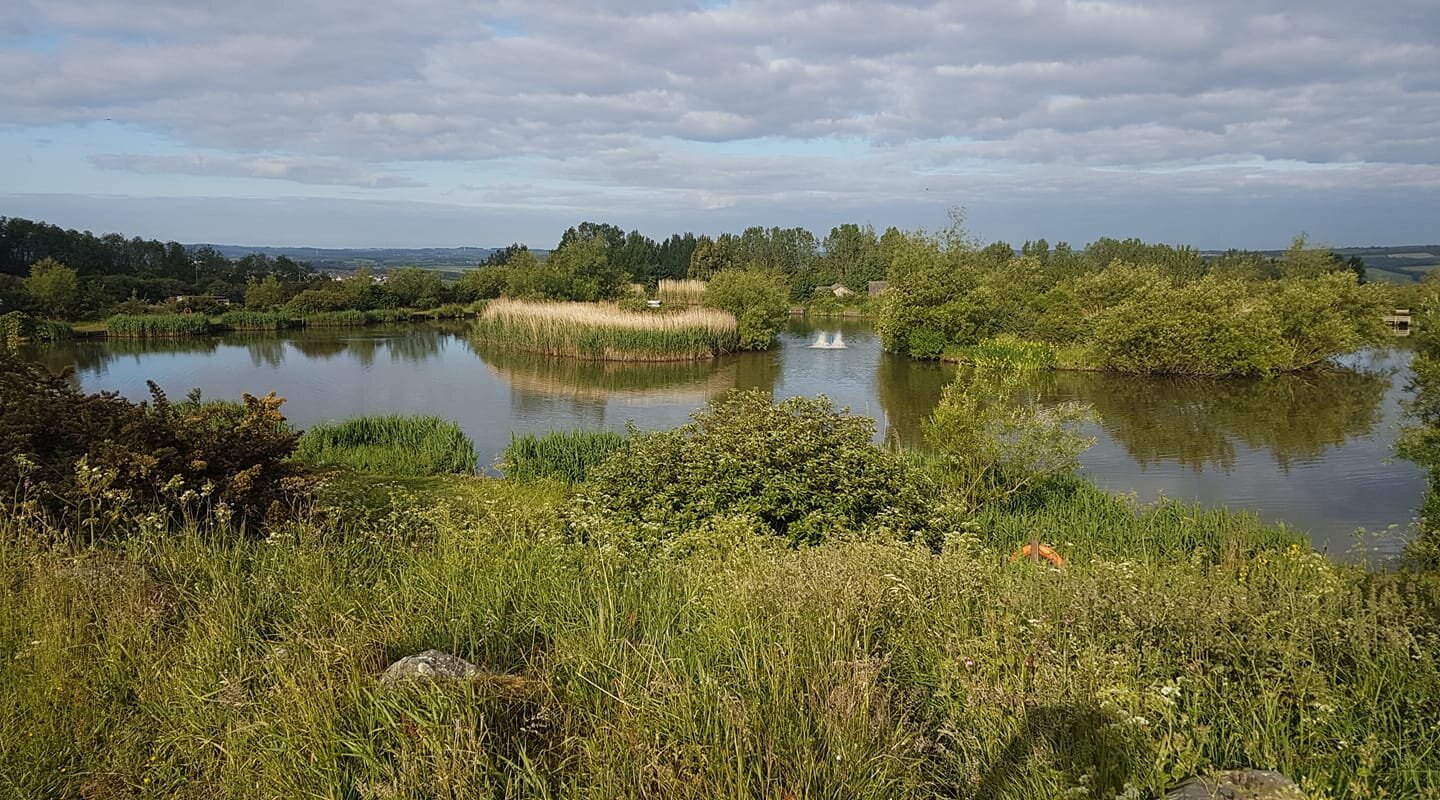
(54, 286)
(500, 258)
(413, 287)
(483, 283)
(994, 444)
(757, 297)
(265, 293)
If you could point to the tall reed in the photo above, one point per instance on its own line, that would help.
(144, 326)
(256, 320)
(563, 455)
(607, 332)
(392, 444)
(680, 293)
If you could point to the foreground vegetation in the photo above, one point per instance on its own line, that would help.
(607, 332)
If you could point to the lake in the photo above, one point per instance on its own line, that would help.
(1312, 450)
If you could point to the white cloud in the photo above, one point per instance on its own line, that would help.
(1046, 92)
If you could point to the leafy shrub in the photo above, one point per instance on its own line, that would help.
(390, 444)
(564, 455)
(799, 468)
(758, 298)
(80, 461)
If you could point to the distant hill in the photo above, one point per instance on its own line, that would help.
(447, 259)
(1402, 264)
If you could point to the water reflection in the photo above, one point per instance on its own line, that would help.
(1200, 423)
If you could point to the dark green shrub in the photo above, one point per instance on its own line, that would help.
(563, 455)
(83, 460)
(799, 468)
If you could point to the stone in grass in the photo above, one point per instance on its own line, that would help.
(431, 665)
(1241, 784)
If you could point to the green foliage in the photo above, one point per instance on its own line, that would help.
(798, 469)
(561, 455)
(391, 444)
(757, 297)
(264, 294)
(606, 332)
(338, 319)
(146, 326)
(78, 463)
(54, 286)
(580, 269)
(412, 287)
(255, 320)
(1004, 351)
(994, 443)
(850, 670)
(484, 283)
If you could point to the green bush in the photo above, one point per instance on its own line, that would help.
(758, 298)
(82, 462)
(391, 444)
(563, 455)
(800, 469)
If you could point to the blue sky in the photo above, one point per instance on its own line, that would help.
(441, 122)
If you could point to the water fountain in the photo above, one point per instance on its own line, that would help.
(835, 342)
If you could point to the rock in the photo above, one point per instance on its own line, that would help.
(431, 665)
(1241, 784)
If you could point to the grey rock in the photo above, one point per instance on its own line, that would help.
(1240, 784)
(431, 665)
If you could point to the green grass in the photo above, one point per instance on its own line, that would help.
(337, 319)
(562, 455)
(145, 326)
(256, 320)
(1005, 351)
(394, 445)
(178, 664)
(607, 332)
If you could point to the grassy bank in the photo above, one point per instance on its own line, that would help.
(606, 332)
(189, 665)
(393, 445)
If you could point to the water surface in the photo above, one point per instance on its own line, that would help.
(1313, 450)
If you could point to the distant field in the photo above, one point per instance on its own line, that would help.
(448, 260)
(1402, 264)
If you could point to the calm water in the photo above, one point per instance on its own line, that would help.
(1313, 451)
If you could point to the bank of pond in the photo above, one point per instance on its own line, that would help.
(761, 602)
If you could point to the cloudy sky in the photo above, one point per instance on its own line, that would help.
(445, 122)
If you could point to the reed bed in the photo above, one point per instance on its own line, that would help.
(257, 321)
(680, 293)
(337, 319)
(410, 446)
(560, 455)
(606, 332)
(147, 326)
(1004, 351)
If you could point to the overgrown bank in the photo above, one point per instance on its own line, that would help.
(760, 603)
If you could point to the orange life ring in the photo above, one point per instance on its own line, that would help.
(1046, 552)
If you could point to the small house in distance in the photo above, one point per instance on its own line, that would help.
(837, 289)
(1399, 321)
(876, 287)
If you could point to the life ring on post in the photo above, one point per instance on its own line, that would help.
(1046, 552)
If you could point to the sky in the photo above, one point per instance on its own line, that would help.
(435, 123)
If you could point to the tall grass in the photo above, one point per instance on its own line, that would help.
(337, 319)
(680, 293)
(561, 455)
(185, 664)
(606, 332)
(256, 320)
(144, 326)
(393, 444)
(1006, 351)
